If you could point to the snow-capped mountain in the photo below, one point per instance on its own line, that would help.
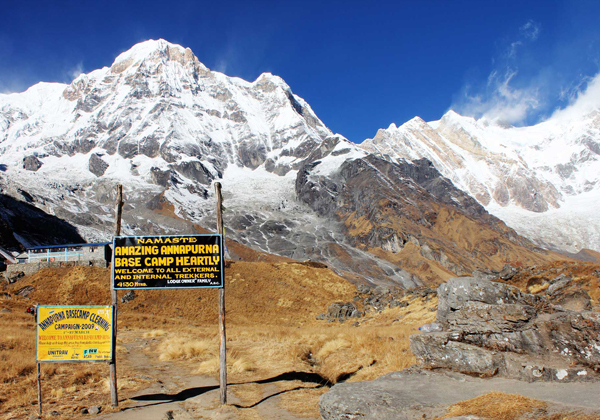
(166, 127)
(157, 107)
(542, 180)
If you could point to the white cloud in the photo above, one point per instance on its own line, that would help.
(505, 98)
(512, 51)
(74, 72)
(584, 99)
(531, 30)
(500, 101)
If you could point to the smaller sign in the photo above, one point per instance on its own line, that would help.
(74, 333)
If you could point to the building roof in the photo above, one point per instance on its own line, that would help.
(5, 255)
(68, 245)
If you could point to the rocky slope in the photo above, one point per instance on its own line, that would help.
(408, 214)
(491, 336)
(165, 126)
(22, 225)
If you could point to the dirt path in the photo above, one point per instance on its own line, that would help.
(177, 395)
(419, 393)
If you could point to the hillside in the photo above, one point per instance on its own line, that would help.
(23, 224)
(541, 180)
(281, 357)
(170, 337)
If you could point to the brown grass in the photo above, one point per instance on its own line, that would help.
(271, 329)
(154, 333)
(17, 346)
(303, 402)
(332, 350)
(584, 275)
(502, 406)
(65, 386)
(497, 406)
(183, 349)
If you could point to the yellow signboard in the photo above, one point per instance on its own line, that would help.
(74, 333)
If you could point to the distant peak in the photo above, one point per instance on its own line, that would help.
(453, 117)
(271, 78)
(416, 120)
(412, 124)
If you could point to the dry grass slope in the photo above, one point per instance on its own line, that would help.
(272, 330)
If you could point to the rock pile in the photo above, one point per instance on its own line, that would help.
(494, 329)
(13, 277)
(341, 311)
(374, 299)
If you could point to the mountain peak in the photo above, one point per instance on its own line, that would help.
(270, 78)
(416, 122)
(148, 48)
(453, 118)
(160, 51)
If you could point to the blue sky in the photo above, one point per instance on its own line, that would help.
(360, 65)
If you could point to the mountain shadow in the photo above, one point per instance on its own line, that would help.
(32, 226)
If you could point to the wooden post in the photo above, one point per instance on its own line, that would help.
(223, 349)
(39, 384)
(114, 398)
(119, 210)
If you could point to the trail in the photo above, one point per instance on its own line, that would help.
(176, 394)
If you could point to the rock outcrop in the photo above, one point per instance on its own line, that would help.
(494, 329)
(96, 165)
(31, 163)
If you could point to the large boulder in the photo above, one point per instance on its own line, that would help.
(492, 328)
(437, 350)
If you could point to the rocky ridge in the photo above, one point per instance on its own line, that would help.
(541, 180)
